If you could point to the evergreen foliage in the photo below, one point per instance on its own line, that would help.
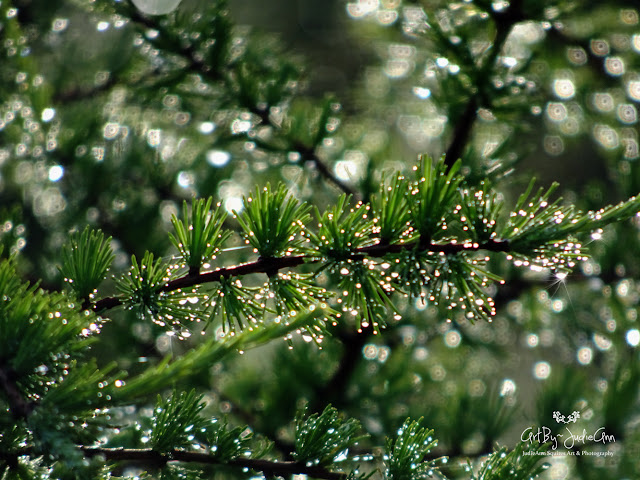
(199, 239)
(406, 453)
(321, 439)
(86, 260)
(144, 294)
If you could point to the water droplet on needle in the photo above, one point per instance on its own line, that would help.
(156, 7)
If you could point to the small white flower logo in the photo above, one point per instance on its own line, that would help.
(573, 418)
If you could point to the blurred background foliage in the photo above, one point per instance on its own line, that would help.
(111, 117)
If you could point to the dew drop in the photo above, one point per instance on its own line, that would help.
(156, 7)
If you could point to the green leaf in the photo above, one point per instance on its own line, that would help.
(433, 197)
(36, 326)
(365, 293)
(522, 463)
(535, 220)
(321, 439)
(411, 269)
(236, 305)
(143, 290)
(460, 281)
(199, 236)
(391, 209)
(342, 230)
(541, 233)
(294, 293)
(226, 443)
(85, 261)
(479, 212)
(274, 222)
(406, 452)
(176, 420)
(81, 389)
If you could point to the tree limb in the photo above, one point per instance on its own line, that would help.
(268, 467)
(266, 265)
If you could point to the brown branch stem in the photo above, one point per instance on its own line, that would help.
(268, 467)
(270, 265)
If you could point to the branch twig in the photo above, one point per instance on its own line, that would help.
(265, 265)
(310, 155)
(268, 467)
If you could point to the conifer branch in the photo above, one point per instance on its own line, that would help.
(267, 467)
(270, 265)
(79, 94)
(426, 247)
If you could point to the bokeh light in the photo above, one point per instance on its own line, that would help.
(541, 370)
(633, 337)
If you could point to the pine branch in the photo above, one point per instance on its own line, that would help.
(185, 50)
(270, 265)
(267, 467)
(79, 94)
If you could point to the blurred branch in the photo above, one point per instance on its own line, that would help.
(311, 156)
(504, 22)
(196, 65)
(18, 406)
(334, 391)
(462, 132)
(79, 94)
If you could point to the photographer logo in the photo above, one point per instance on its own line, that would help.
(569, 438)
